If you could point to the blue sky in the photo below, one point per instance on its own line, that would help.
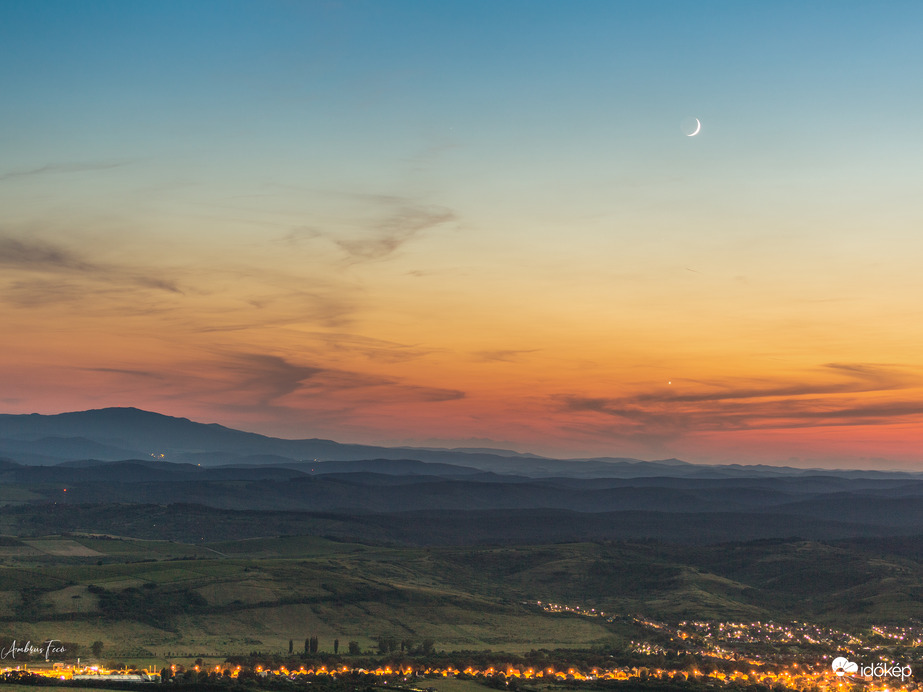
(437, 221)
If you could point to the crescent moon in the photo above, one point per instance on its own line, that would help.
(698, 126)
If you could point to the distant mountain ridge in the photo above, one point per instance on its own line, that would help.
(128, 457)
(115, 434)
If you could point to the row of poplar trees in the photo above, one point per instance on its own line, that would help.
(310, 645)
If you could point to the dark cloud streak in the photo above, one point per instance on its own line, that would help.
(269, 377)
(35, 254)
(265, 380)
(61, 168)
(73, 274)
(124, 371)
(503, 355)
(668, 415)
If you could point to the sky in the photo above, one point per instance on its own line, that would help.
(475, 224)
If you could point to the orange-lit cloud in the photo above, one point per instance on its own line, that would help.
(331, 238)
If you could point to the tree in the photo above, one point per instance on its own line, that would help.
(354, 648)
(336, 646)
(291, 646)
(307, 646)
(97, 648)
(408, 645)
(313, 645)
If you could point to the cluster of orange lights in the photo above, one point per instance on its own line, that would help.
(792, 677)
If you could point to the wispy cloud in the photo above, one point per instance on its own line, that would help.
(736, 406)
(503, 355)
(264, 380)
(377, 350)
(410, 393)
(36, 254)
(40, 271)
(301, 234)
(267, 378)
(330, 305)
(386, 224)
(61, 168)
(126, 371)
(387, 235)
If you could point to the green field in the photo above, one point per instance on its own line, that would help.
(149, 598)
(157, 599)
(16, 494)
(455, 685)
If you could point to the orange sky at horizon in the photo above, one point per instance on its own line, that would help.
(447, 225)
(703, 380)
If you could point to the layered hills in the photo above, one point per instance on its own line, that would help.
(157, 534)
(110, 466)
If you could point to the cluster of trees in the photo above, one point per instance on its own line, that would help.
(150, 604)
(388, 645)
(311, 645)
(248, 679)
(31, 607)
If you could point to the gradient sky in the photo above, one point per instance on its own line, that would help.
(472, 223)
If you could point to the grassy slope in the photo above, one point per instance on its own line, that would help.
(240, 596)
(256, 595)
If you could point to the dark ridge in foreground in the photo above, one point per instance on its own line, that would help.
(196, 523)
